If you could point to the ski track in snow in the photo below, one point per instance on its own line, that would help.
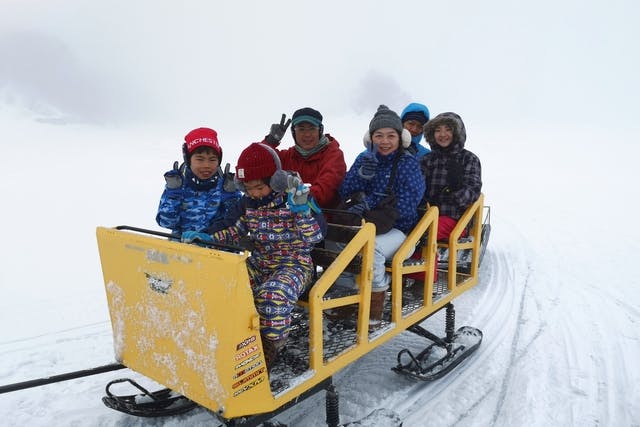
(498, 304)
(595, 369)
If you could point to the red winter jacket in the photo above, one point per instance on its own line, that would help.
(324, 170)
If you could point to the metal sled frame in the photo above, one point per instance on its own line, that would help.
(183, 315)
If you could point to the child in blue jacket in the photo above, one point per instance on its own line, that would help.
(198, 195)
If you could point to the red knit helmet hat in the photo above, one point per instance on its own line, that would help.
(255, 162)
(201, 137)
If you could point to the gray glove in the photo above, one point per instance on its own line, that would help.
(229, 184)
(293, 182)
(301, 195)
(277, 131)
(173, 177)
(298, 198)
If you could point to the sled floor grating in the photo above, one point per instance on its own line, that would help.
(339, 336)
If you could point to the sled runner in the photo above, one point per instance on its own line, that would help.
(163, 402)
(442, 356)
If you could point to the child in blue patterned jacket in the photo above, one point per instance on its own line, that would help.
(198, 195)
(283, 223)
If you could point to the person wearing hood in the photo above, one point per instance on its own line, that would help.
(198, 195)
(316, 155)
(414, 117)
(452, 173)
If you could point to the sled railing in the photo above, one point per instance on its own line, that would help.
(425, 231)
(361, 244)
(458, 282)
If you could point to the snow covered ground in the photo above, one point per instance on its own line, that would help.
(558, 298)
(95, 98)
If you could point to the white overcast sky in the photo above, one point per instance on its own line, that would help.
(243, 63)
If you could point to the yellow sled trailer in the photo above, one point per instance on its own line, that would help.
(184, 315)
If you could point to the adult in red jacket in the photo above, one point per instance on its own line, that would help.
(316, 156)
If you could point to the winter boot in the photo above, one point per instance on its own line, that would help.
(376, 309)
(341, 313)
(415, 287)
(271, 350)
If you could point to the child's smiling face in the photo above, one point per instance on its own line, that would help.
(204, 165)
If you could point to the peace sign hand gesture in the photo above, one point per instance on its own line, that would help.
(277, 131)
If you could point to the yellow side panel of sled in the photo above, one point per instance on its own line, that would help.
(184, 316)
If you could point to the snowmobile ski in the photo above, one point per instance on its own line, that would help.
(441, 357)
(159, 403)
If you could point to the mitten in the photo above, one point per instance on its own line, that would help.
(173, 177)
(196, 236)
(298, 199)
(293, 182)
(277, 131)
(229, 184)
(369, 166)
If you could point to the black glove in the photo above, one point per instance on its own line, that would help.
(358, 209)
(173, 177)
(355, 205)
(384, 215)
(455, 175)
(228, 185)
(277, 131)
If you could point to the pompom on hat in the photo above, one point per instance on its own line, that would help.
(201, 137)
(386, 118)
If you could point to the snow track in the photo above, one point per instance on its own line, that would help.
(484, 379)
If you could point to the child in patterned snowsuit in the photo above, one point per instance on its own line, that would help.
(283, 224)
(197, 196)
